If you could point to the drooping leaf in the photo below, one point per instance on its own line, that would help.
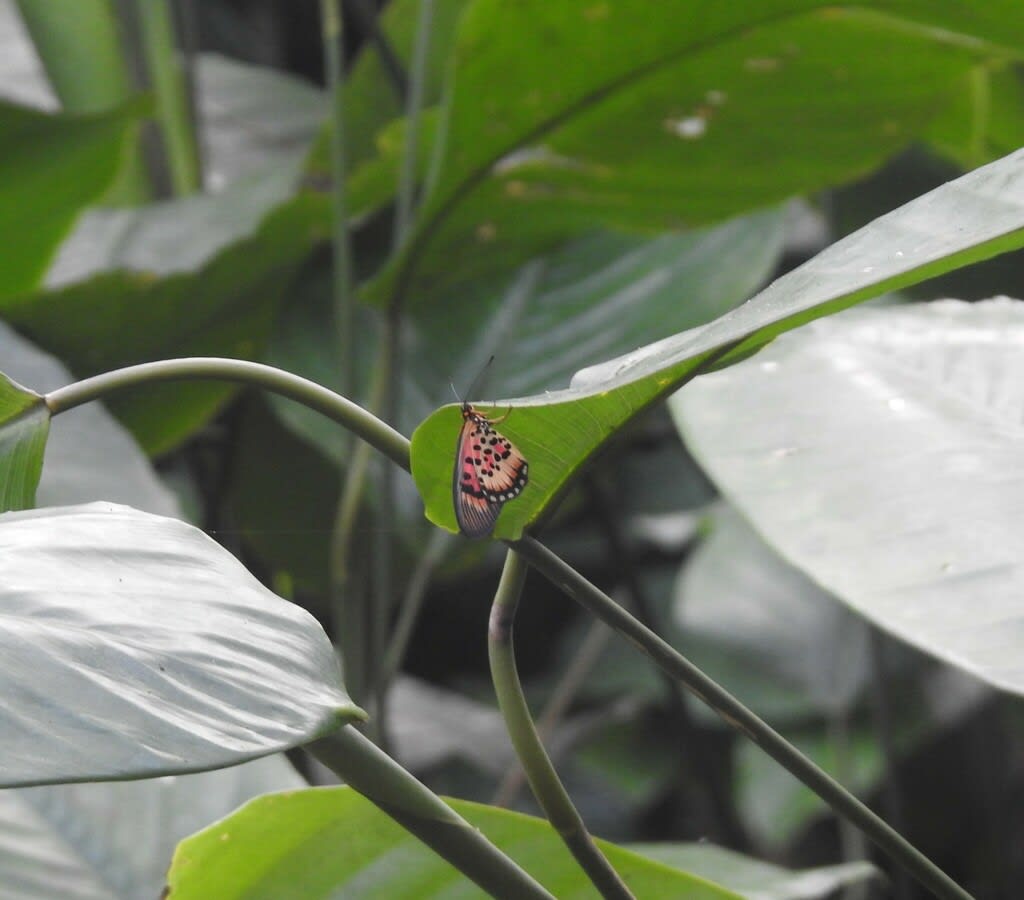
(332, 842)
(878, 453)
(114, 841)
(136, 646)
(24, 424)
(559, 431)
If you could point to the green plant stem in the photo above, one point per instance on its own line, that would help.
(394, 445)
(174, 109)
(354, 616)
(742, 719)
(548, 790)
(587, 655)
(346, 413)
(395, 792)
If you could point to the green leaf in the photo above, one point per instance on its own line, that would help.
(637, 120)
(330, 842)
(559, 431)
(89, 455)
(51, 168)
(371, 100)
(24, 424)
(136, 646)
(879, 453)
(200, 276)
(755, 879)
(598, 296)
(113, 841)
(985, 117)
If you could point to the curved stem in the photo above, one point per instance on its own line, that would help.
(739, 717)
(371, 772)
(543, 779)
(346, 413)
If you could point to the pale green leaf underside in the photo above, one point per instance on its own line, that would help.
(132, 645)
(880, 453)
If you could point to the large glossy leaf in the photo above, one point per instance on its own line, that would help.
(624, 117)
(134, 645)
(114, 841)
(24, 424)
(51, 167)
(89, 456)
(332, 842)
(879, 453)
(558, 431)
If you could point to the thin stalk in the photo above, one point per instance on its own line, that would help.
(583, 662)
(413, 107)
(350, 415)
(388, 441)
(706, 767)
(354, 617)
(742, 719)
(173, 106)
(548, 790)
(341, 285)
(371, 772)
(882, 715)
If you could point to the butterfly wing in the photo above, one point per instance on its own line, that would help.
(489, 471)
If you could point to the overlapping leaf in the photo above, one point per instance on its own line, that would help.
(562, 116)
(559, 431)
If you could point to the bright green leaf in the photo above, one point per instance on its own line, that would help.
(558, 432)
(24, 424)
(136, 646)
(51, 168)
(331, 842)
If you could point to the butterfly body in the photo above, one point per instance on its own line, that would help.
(489, 471)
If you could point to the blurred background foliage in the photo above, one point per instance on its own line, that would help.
(684, 158)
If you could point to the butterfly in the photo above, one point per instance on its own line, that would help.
(489, 471)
